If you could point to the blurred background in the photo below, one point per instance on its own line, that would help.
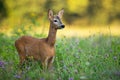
(82, 17)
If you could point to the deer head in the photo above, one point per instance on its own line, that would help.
(56, 19)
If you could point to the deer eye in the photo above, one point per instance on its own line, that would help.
(55, 20)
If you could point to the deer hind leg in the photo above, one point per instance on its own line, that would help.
(22, 55)
(22, 58)
(21, 52)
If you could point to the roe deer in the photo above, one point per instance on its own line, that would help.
(41, 49)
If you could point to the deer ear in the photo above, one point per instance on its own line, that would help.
(50, 14)
(60, 13)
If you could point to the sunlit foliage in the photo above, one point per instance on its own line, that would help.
(87, 12)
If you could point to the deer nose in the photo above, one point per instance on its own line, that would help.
(62, 26)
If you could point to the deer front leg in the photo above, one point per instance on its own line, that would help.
(21, 57)
(45, 64)
(22, 60)
(50, 62)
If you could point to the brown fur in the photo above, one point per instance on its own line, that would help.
(40, 49)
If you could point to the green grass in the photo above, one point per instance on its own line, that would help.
(93, 58)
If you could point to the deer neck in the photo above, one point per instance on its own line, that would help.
(52, 35)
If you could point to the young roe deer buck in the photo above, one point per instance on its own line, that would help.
(41, 49)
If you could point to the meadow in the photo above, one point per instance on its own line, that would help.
(96, 57)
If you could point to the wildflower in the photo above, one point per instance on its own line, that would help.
(77, 41)
(117, 73)
(2, 64)
(42, 79)
(76, 71)
(17, 76)
(106, 55)
(79, 50)
(28, 68)
(65, 67)
(56, 45)
(76, 55)
(59, 78)
(110, 50)
(27, 78)
(71, 79)
(70, 65)
(67, 49)
(115, 57)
